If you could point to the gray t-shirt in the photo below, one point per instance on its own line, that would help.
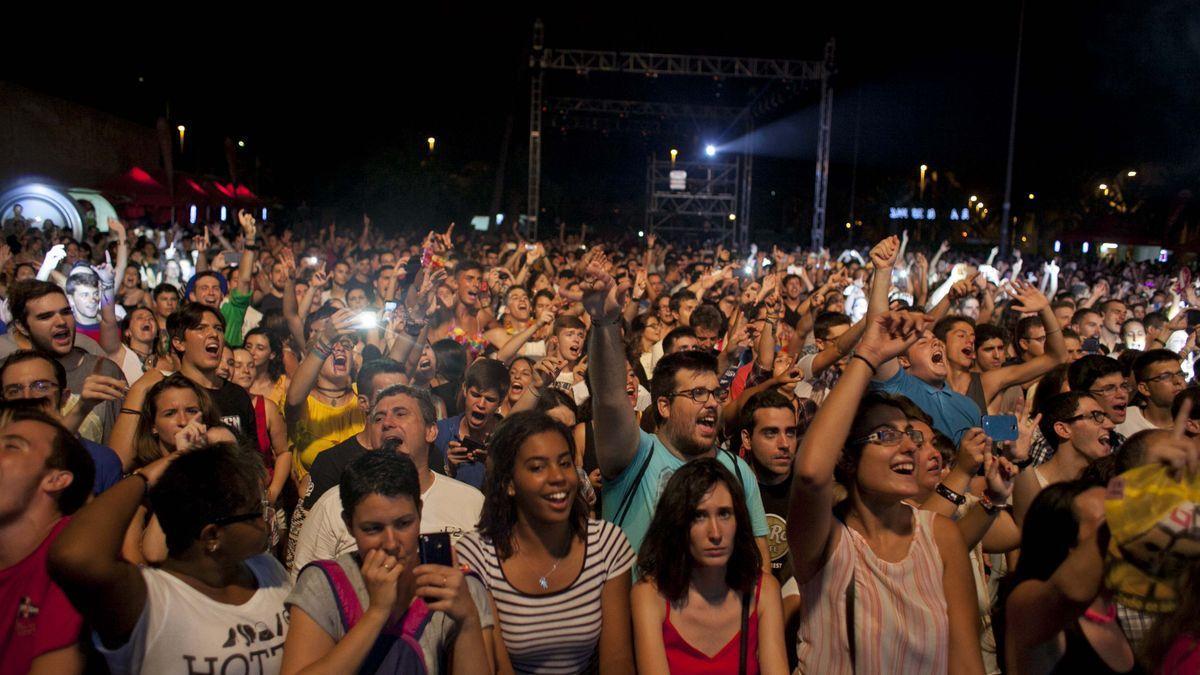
(313, 594)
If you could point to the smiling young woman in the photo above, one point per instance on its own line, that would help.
(559, 580)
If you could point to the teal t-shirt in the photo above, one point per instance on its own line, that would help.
(662, 466)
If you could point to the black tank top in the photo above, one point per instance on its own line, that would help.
(1081, 657)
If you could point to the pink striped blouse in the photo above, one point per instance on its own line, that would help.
(900, 622)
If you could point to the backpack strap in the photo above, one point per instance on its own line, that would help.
(627, 500)
(744, 639)
(349, 607)
(733, 459)
(851, 594)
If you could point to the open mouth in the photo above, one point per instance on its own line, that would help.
(213, 348)
(61, 336)
(937, 358)
(516, 389)
(1106, 443)
(339, 363)
(707, 424)
(424, 364)
(476, 418)
(969, 353)
(904, 468)
(573, 352)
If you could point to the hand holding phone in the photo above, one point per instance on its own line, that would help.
(1000, 427)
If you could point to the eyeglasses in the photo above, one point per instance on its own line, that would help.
(1096, 416)
(701, 394)
(892, 437)
(36, 389)
(1167, 377)
(267, 513)
(1111, 389)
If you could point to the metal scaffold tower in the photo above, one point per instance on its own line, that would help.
(715, 200)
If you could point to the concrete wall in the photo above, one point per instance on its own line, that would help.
(67, 143)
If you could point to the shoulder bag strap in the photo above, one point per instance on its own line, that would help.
(850, 598)
(627, 500)
(744, 640)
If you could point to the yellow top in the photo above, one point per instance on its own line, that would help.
(322, 427)
(278, 394)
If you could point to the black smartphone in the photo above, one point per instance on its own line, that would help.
(435, 549)
(473, 446)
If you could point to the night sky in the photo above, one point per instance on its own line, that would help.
(337, 112)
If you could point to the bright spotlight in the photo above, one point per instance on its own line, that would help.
(641, 233)
(1057, 246)
(192, 214)
(733, 216)
(710, 150)
(1131, 174)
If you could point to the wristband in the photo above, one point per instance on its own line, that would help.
(950, 495)
(989, 507)
(145, 481)
(860, 357)
(130, 411)
(250, 247)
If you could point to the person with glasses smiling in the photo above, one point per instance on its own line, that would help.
(1159, 379)
(1080, 431)
(216, 601)
(885, 587)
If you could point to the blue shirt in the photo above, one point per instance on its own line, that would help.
(470, 473)
(952, 412)
(645, 493)
(108, 465)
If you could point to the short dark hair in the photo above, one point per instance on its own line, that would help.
(709, 317)
(67, 453)
(1080, 313)
(665, 555)
(675, 335)
(1059, 408)
(188, 317)
(1083, 373)
(825, 322)
(204, 485)
(488, 375)
(21, 293)
(1154, 320)
(22, 355)
(943, 327)
(678, 297)
(451, 359)
(467, 265)
(1141, 365)
(165, 288)
(564, 321)
(365, 382)
(663, 381)
(553, 397)
(322, 312)
(1023, 327)
(499, 512)
(421, 395)
(988, 331)
(390, 474)
(1050, 385)
(763, 400)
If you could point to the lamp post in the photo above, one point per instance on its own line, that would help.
(182, 130)
(432, 142)
(924, 168)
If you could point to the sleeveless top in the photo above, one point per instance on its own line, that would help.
(682, 657)
(975, 392)
(1081, 657)
(900, 622)
(321, 427)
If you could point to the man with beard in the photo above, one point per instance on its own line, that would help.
(42, 315)
(769, 434)
(1039, 354)
(402, 421)
(635, 464)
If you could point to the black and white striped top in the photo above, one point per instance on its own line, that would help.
(556, 632)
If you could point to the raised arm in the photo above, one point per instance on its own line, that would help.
(1029, 299)
(810, 520)
(509, 350)
(249, 231)
(305, 377)
(86, 561)
(617, 437)
(291, 313)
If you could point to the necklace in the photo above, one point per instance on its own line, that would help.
(542, 580)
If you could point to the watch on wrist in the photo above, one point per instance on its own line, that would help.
(950, 495)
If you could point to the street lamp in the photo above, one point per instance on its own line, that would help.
(432, 142)
(924, 168)
(973, 199)
(1030, 196)
(1103, 187)
(241, 144)
(182, 130)
(1131, 174)
(733, 216)
(674, 154)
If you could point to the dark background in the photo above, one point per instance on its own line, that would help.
(335, 109)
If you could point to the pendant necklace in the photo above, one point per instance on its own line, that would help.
(542, 580)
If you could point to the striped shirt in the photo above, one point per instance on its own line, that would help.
(900, 622)
(556, 632)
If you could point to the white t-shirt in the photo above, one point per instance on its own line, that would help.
(181, 630)
(447, 506)
(1135, 421)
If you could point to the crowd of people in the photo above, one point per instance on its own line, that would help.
(260, 449)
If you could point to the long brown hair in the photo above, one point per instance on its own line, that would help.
(1184, 621)
(145, 444)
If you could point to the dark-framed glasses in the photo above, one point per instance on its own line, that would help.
(892, 437)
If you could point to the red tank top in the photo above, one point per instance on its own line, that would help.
(682, 657)
(264, 438)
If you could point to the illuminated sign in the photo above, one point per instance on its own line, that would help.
(678, 179)
(921, 213)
